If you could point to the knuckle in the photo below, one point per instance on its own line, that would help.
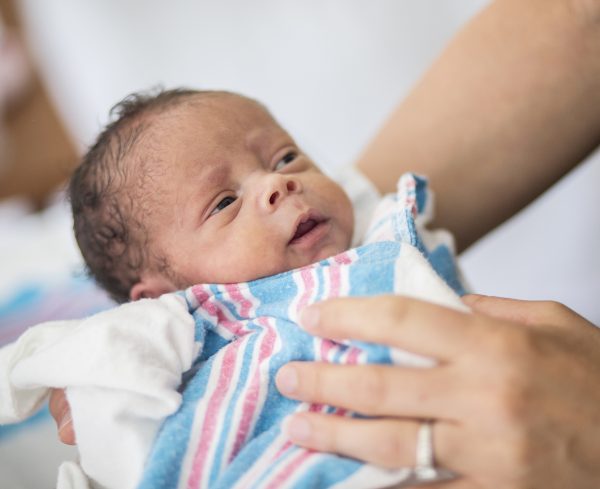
(554, 305)
(551, 312)
(392, 306)
(393, 449)
(512, 401)
(512, 389)
(314, 385)
(512, 404)
(330, 437)
(501, 345)
(373, 393)
(516, 346)
(323, 434)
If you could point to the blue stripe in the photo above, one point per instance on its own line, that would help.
(329, 470)
(163, 467)
(240, 390)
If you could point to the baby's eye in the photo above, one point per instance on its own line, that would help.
(222, 204)
(287, 159)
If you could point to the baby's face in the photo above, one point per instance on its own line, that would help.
(234, 198)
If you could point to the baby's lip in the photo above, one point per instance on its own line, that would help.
(306, 223)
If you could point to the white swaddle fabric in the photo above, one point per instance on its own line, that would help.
(122, 381)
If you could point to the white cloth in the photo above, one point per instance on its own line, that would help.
(106, 382)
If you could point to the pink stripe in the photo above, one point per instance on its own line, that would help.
(340, 411)
(236, 328)
(207, 301)
(326, 347)
(289, 469)
(209, 424)
(203, 297)
(309, 285)
(335, 281)
(200, 294)
(411, 197)
(286, 446)
(352, 358)
(315, 408)
(250, 402)
(343, 258)
(236, 294)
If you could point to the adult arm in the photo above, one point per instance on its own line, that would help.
(510, 106)
(514, 396)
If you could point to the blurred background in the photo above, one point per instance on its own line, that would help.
(330, 71)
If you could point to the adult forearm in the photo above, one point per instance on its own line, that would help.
(511, 105)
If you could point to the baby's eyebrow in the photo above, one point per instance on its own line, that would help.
(262, 139)
(214, 174)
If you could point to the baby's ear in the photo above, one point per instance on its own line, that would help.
(151, 286)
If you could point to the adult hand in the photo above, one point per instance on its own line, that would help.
(514, 398)
(61, 412)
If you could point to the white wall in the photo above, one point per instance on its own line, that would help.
(330, 70)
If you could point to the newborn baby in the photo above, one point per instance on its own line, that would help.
(201, 187)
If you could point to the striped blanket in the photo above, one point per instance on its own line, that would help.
(231, 412)
(139, 425)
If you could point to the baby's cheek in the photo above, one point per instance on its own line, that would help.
(347, 219)
(259, 262)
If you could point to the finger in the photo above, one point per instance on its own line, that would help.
(526, 312)
(411, 324)
(374, 390)
(61, 412)
(389, 443)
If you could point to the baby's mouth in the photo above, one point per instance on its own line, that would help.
(303, 228)
(306, 225)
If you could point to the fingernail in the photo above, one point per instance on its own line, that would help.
(287, 380)
(65, 421)
(296, 428)
(309, 317)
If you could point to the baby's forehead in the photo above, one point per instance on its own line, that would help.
(214, 109)
(202, 127)
(212, 124)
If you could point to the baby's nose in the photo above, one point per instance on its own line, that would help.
(277, 188)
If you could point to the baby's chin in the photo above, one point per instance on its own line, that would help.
(324, 254)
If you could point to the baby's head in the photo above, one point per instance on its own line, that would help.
(191, 187)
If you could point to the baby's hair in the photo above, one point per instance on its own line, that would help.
(106, 207)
